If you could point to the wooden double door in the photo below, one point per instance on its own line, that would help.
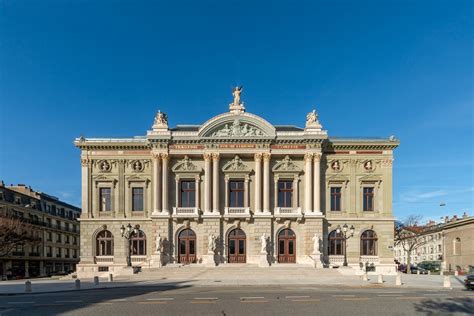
(236, 251)
(187, 247)
(286, 246)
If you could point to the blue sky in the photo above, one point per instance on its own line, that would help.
(370, 68)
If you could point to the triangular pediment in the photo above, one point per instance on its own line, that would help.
(185, 165)
(286, 165)
(236, 165)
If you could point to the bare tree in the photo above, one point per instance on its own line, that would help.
(408, 234)
(15, 232)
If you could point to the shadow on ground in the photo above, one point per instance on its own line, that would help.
(445, 306)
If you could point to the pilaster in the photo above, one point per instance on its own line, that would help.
(317, 183)
(308, 157)
(215, 183)
(156, 183)
(258, 182)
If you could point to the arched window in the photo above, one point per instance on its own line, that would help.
(457, 246)
(336, 243)
(368, 243)
(139, 244)
(104, 244)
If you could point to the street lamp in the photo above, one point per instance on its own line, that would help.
(345, 236)
(128, 234)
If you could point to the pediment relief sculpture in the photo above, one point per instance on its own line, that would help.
(185, 165)
(236, 165)
(237, 129)
(286, 165)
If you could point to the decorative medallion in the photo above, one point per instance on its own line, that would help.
(104, 166)
(336, 166)
(369, 165)
(137, 166)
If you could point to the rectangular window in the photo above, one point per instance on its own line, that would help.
(137, 199)
(368, 204)
(285, 193)
(187, 194)
(105, 200)
(335, 198)
(236, 193)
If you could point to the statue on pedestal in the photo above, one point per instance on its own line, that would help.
(159, 244)
(211, 244)
(316, 244)
(264, 242)
(236, 94)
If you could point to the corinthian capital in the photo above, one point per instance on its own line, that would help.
(207, 156)
(155, 155)
(266, 156)
(85, 162)
(308, 156)
(317, 157)
(165, 156)
(258, 157)
(215, 156)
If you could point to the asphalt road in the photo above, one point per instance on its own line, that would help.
(283, 300)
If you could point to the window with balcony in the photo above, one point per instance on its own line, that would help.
(236, 193)
(368, 199)
(285, 193)
(336, 198)
(187, 193)
(105, 200)
(137, 199)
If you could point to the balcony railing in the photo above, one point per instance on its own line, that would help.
(369, 259)
(288, 212)
(336, 260)
(237, 212)
(186, 212)
(104, 259)
(138, 259)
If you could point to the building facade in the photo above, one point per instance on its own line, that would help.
(236, 189)
(53, 222)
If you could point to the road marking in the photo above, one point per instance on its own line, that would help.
(20, 302)
(153, 302)
(160, 299)
(344, 295)
(47, 305)
(389, 295)
(356, 299)
(205, 298)
(297, 296)
(119, 300)
(389, 292)
(203, 302)
(410, 298)
(69, 301)
(103, 303)
(254, 301)
(251, 297)
(435, 294)
(307, 300)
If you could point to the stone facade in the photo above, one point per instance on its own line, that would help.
(52, 221)
(237, 166)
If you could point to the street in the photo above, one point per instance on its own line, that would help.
(248, 300)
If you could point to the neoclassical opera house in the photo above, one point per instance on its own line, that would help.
(236, 190)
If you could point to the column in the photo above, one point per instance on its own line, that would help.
(176, 196)
(316, 184)
(246, 191)
(198, 192)
(215, 182)
(207, 182)
(226, 188)
(295, 192)
(164, 175)
(156, 183)
(266, 182)
(258, 182)
(308, 157)
(85, 163)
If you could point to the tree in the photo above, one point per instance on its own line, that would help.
(409, 236)
(15, 232)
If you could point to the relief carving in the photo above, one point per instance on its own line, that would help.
(237, 129)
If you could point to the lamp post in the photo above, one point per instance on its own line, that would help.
(345, 236)
(128, 233)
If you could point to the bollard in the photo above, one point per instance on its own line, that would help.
(456, 273)
(77, 284)
(398, 280)
(96, 280)
(365, 277)
(380, 280)
(447, 281)
(111, 277)
(418, 272)
(429, 272)
(27, 286)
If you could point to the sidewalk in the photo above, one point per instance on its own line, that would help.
(230, 276)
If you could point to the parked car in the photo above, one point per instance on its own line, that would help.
(433, 266)
(469, 282)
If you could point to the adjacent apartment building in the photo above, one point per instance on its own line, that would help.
(53, 222)
(233, 190)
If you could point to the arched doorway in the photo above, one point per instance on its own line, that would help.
(236, 250)
(187, 246)
(286, 246)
